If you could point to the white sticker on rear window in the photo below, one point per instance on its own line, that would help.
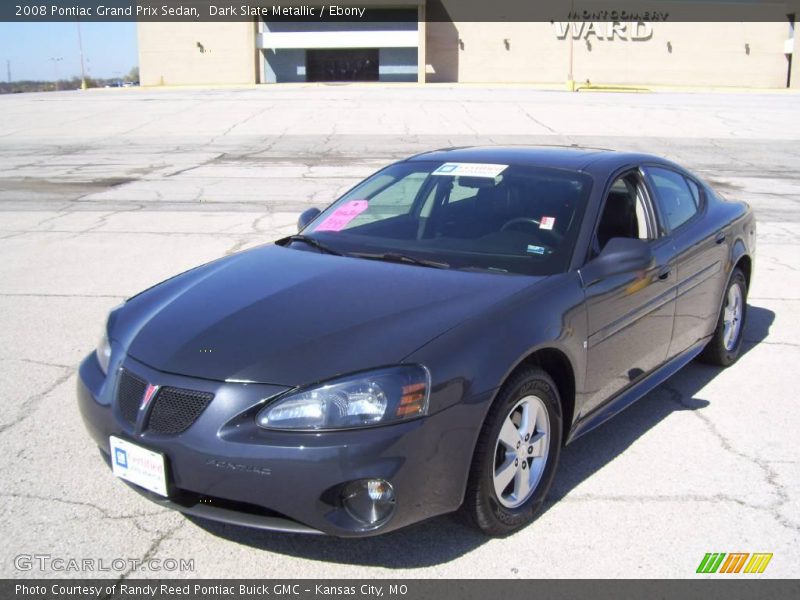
(470, 169)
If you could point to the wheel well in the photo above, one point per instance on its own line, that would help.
(746, 265)
(556, 364)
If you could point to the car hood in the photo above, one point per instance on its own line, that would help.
(291, 317)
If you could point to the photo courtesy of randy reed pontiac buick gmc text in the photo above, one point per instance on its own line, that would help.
(197, 589)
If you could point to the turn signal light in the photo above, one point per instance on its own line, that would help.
(412, 402)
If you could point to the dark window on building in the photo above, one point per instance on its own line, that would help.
(342, 65)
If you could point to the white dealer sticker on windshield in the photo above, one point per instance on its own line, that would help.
(470, 169)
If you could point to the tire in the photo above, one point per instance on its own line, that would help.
(726, 344)
(515, 506)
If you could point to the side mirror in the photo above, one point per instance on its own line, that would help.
(306, 217)
(620, 255)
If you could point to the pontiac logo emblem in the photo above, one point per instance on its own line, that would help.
(149, 392)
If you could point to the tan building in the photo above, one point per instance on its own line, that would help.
(404, 47)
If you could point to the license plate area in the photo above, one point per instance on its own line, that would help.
(139, 465)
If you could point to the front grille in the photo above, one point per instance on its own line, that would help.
(174, 410)
(129, 395)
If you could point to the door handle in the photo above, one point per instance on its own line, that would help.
(664, 273)
(720, 237)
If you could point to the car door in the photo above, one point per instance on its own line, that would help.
(700, 255)
(630, 315)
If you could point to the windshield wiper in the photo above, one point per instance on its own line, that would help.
(401, 258)
(311, 242)
(385, 256)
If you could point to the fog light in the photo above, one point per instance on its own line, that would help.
(369, 501)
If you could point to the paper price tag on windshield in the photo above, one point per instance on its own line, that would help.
(343, 215)
(470, 169)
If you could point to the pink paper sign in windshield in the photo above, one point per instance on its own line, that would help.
(343, 215)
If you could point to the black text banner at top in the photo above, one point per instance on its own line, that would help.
(402, 10)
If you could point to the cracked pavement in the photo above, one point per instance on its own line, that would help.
(107, 192)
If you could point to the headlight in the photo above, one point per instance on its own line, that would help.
(103, 351)
(371, 398)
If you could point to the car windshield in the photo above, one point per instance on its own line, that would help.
(505, 218)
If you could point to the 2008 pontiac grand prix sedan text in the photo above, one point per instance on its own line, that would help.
(428, 342)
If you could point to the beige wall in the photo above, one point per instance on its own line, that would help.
(713, 54)
(700, 54)
(703, 54)
(169, 53)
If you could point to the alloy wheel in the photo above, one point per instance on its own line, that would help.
(521, 452)
(732, 317)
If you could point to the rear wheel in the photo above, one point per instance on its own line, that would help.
(516, 455)
(726, 344)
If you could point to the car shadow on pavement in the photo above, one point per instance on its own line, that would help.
(445, 538)
(432, 542)
(588, 454)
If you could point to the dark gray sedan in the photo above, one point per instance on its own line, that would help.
(427, 343)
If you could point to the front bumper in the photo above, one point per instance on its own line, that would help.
(228, 469)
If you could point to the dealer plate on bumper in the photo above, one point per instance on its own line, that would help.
(138, 465)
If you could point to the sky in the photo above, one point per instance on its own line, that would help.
(109, 50)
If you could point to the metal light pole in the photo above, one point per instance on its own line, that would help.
(8, 70)
(570, 77)
(80, 48)
(55, 60)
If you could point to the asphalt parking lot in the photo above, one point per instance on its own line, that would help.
(106, 192)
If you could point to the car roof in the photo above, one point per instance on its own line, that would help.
(558, 157)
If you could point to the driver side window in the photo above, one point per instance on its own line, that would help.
(626, 213)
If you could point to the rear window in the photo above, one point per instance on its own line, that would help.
(679, 202)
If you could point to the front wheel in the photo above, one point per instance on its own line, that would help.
(726, 344)
(516, 454)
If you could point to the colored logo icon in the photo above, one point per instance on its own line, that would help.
(121, 457)
(734, 562)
